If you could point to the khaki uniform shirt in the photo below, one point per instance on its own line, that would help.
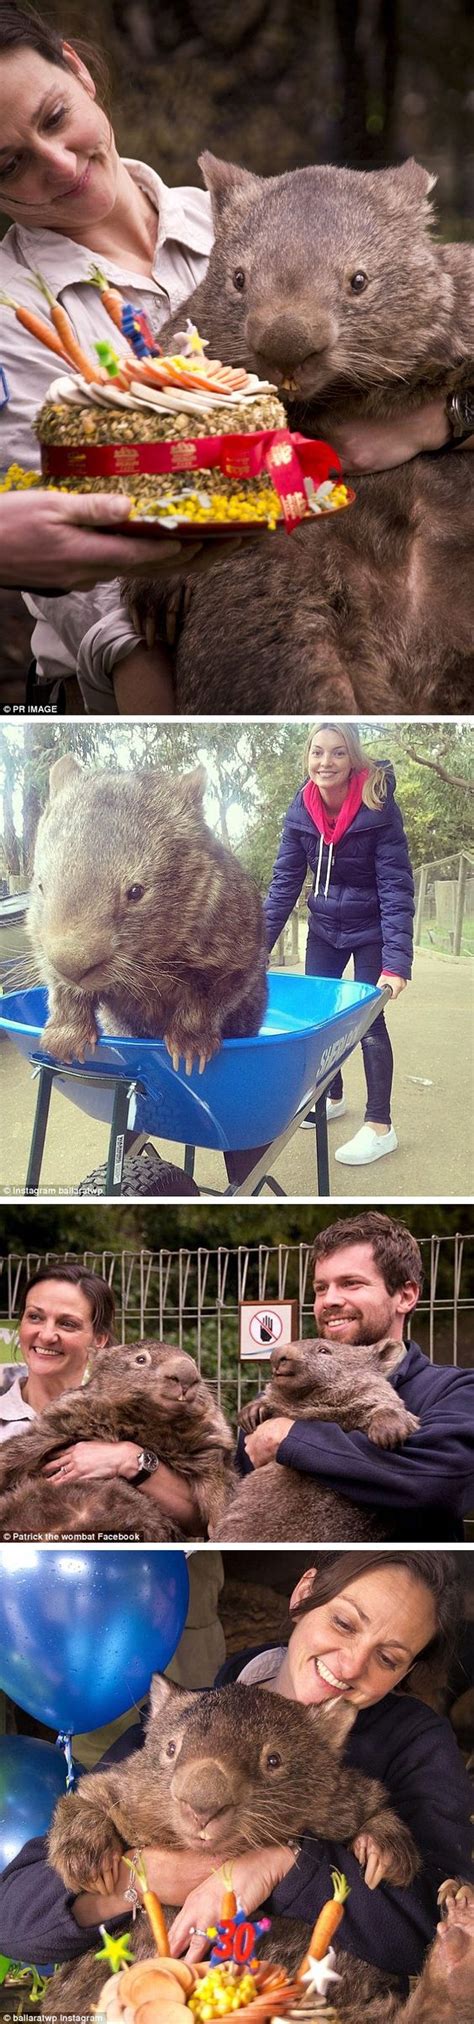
(88, 632)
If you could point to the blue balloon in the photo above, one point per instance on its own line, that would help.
(82, 1631)
(32, 1779)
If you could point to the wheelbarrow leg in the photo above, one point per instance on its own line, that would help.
(189, 1161)
(43, 1100)
(322, 1149)
(239, 1164)
(118, 1132)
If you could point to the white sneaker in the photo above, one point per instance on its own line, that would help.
(335, 1107)
(366, 1146)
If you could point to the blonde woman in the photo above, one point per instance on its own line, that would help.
(344, 826)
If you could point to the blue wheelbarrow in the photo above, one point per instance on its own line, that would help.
(250, 1099)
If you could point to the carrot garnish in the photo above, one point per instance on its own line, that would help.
(151, 1902)
(109, 296)
(327, 1923)
(63, 326)
(37, 327)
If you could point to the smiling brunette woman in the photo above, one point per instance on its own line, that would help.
(67, 1315)
(74, 204)
(361, 1625)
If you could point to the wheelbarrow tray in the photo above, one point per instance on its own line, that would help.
(251, 1090)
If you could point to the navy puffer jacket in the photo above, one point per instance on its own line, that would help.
(366, 890)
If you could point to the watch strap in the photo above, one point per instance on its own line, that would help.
(460, 413)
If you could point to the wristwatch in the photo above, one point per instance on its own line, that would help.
(147, 1461)
(460, 413)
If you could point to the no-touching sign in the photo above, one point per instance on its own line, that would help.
(265, 1324)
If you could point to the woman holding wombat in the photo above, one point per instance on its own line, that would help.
(345, 827)
(73, 204)
(66, 1316)
(361, 1624)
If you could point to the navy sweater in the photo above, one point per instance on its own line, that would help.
(370, 891)
(402, 1742)
(424, 1488)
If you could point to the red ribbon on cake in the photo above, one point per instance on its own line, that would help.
(287, 458)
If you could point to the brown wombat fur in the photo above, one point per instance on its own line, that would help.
(444, 1993)
(137, 908)
(318, 1380)
(176, 1794)
(150, 1393)
(372, 608)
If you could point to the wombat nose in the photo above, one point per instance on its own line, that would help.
(282, 1363)
(72, 958)
(203, 1789)
(286, 340)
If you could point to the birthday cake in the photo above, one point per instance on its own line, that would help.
(187, 438)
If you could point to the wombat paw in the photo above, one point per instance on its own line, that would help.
(454, 1892)
(67, 1042)
(251, 1416)
(389, 1425)
(199, 1048)
(396, 1848)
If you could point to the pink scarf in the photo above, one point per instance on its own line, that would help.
(313, 801)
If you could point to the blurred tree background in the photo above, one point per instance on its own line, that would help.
(277, 83)
(253, 772)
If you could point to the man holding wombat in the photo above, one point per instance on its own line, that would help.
(367, 1280)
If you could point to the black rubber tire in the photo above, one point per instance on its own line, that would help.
(143, 1174)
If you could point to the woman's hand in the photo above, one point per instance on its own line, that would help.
(379, 445)
(94, 1458)
(375, 1862)
(397, 984)
(254, 1876)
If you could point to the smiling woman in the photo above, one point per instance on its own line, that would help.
(67, 1316)
(74, 204)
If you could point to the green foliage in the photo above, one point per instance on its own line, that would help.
(254, 769)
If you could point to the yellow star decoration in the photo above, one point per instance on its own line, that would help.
(115, 1952)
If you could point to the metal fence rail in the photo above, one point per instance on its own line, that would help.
(191, 1297)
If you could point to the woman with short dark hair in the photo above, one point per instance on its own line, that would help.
(66, 1317)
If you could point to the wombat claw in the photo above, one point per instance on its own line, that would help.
(66, 1044)
(189, 1056)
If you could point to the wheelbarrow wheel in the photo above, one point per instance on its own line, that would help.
(143, 1173)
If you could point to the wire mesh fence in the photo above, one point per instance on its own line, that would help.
(444, 891)
(191, 1297)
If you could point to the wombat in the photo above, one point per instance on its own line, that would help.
(317, 1380)
(444, 1993)
(138, 909)
(328, 282)
(224, 1769)
(150, 1393)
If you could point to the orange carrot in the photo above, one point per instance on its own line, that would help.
(327, 1923)
(109, 296)
(154, 1912)
(37, 327)
(63, 326)
(229, 1905)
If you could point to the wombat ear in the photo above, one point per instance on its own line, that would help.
(334, 1722)
(228, 185)
(61, 773)
(163, 1691)
(388, 1354)
(191, 788)
(410, 181)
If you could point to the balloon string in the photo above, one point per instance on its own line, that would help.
(63, 1742)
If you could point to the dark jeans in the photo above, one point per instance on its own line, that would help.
(324, 960)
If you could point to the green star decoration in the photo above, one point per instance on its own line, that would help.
(115, 1952)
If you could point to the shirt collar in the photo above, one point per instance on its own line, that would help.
(182, 215)
(13, 1406)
